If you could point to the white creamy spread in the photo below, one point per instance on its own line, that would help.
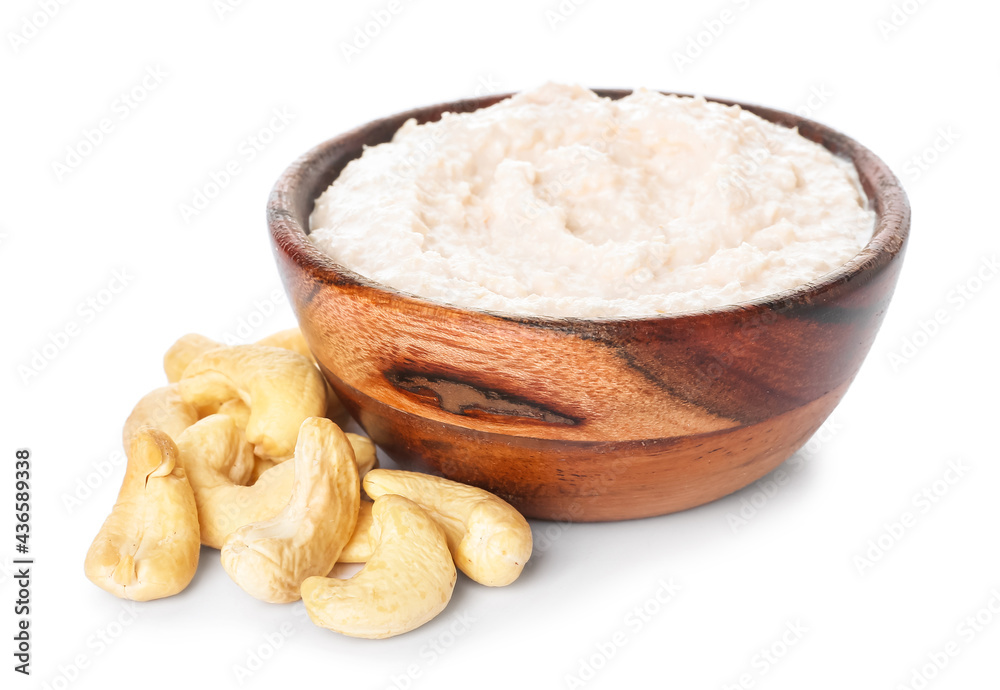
(562, 203)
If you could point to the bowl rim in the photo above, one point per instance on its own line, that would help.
(882, 188)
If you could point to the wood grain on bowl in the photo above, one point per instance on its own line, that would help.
(587, 419)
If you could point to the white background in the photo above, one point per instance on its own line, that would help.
(924, 86)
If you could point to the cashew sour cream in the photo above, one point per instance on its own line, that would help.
(559, 202)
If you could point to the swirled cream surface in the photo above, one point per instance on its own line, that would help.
(559, 202)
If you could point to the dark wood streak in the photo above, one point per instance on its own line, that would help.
(587, 419)
(459, 397)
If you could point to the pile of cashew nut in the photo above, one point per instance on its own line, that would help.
(240, 452)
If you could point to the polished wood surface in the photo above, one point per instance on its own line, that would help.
(587, 419)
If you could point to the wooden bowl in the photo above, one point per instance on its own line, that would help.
(587, 419)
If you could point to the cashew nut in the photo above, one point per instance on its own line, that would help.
(191, 346)
(188, 347)
(260, 466)
(291, 339)
(407, 581)
(219, 461)
(270, 559)
(213, 393)
(148, 546)
(489, 539)
(162, 409)
(183, 352)
(364, 453)
(216, 457)
(281, 389)
(359, 548)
